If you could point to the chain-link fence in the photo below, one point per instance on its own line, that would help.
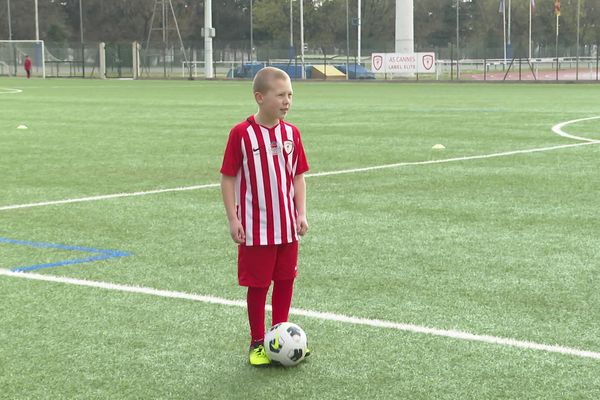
(334, 62)
(234, 60)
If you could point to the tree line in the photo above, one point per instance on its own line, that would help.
(325, 24)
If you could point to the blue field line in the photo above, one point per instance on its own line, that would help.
(102, 254)
(54, 246)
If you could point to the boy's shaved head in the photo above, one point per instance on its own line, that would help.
(264, 77)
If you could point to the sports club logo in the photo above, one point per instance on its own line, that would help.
(275, 149)
(377, 62)
(288, 146)
(427, 61)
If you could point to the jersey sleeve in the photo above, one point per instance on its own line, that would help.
(302, 163)
(232, 160)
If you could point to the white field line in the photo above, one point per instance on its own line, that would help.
(10, 91)
(314, 175)
(109, 196)
(448, 160)
(453, 334)
(558, 129)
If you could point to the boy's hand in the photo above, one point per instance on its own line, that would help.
(237, 231)
(301, 225)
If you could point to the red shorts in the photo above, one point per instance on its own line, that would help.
(259, 265)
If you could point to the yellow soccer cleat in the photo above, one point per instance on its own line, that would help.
(258, 356)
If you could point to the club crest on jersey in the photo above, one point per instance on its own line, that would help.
(275, 148)
(288, 146)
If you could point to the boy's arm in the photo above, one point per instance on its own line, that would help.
(300, 199)
(235, 226)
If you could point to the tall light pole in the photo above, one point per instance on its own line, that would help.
(359, 23)
(163, 9)
(504, 29)
(578, 17)
(458, 35)
(509, 44)
(251, 33)
(530, 21)
(81, 34)
(405, 31)
(457, 39)
(10, 37)
(302, 37)
(209, 33)
(9, 21)
(37, 23)
(291, 26)
(347, 42)
(557, 12)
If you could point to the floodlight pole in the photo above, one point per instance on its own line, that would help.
(9, 21)
(509, 27)
(347, 43)
(10, 36)
(530, 21)
(577, 62)
(557, 29)
(359, 23)
(81, 33)
(291, 25)
(208, 35)
(251, 33)
(504, 29)
(164, 36)
(302, 37)
(405, 32)
(37, 22)
(457, 39)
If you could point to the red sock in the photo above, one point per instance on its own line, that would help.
(257, 297)
(281, 300)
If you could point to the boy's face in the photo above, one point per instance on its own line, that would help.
(276, 102)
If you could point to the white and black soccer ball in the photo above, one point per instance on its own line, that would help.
(285, 343)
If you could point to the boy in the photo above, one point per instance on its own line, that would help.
(264, 192)
(27, 66)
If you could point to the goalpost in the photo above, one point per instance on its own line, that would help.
(12, 57)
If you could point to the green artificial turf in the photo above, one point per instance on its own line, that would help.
(505, 246)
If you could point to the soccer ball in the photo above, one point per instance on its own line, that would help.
(286, 344)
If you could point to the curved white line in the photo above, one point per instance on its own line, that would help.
(558, 129)
(13, 91)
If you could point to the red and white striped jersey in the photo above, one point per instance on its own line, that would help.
(265, 162)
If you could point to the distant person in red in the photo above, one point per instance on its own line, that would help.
(28, 66)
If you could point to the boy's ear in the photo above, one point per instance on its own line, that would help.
(258, 96)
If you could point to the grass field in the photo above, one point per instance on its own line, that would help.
(476, 241)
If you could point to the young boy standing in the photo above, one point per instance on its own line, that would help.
(27, 66)
(264, 192)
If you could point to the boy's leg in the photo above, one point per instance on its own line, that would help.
(256, 316)
(255, 269)
(282, 300)
(256, 312)
(284, 275)
(285, 272)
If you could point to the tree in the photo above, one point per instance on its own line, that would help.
(481, 31)
(56, 34)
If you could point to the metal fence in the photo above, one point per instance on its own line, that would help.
(236, 61)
